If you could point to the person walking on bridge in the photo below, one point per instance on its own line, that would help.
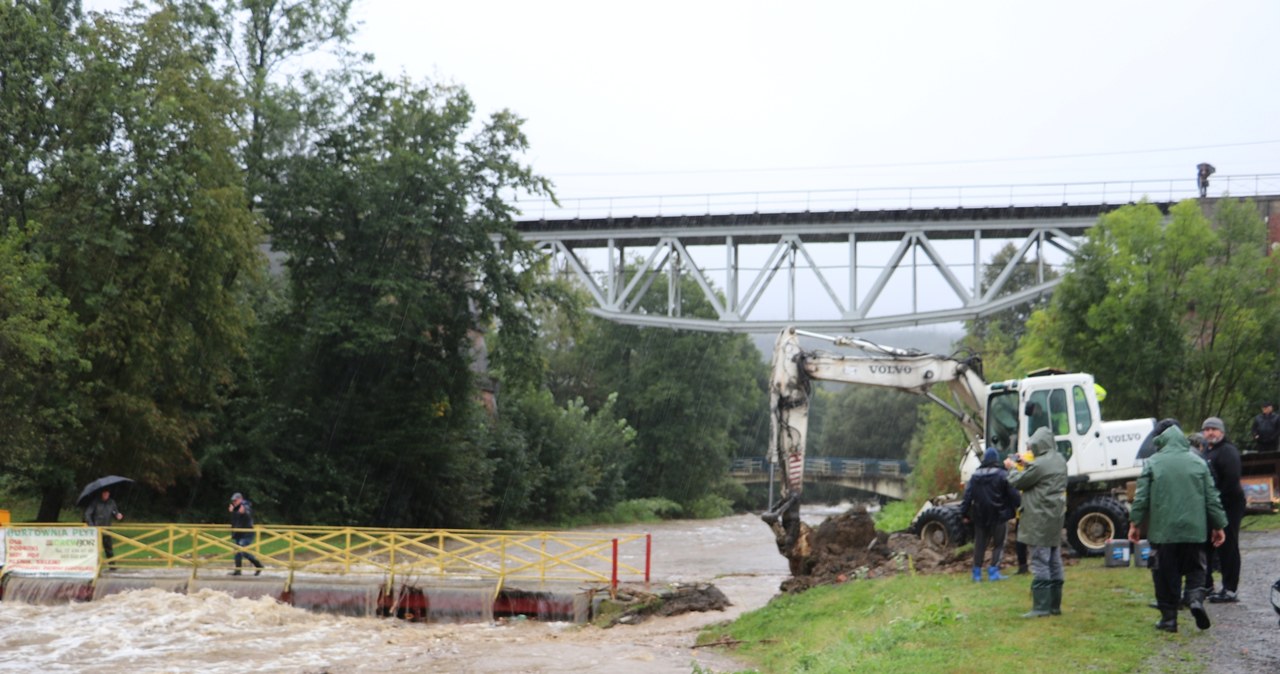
(242, 531)
(1175, 503)
(1043, 483)
(100, 513)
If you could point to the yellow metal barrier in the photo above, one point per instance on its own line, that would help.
(395, 553)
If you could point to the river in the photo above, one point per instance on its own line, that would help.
(157, 631)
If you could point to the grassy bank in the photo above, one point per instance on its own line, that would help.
(947, 623)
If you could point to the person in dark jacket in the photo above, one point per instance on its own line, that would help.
(242, 531)
(1224, 464)
(1266, 429)
(989, 503)
(1175, 505)
(1043, 483)
(101, 513)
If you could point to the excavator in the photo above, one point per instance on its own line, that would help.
(1102, 457)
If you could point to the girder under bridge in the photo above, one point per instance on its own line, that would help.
(839, 271)
(883, 477)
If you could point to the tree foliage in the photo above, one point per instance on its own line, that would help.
(691, 396)
(130, 170)
(865, 422)
(387, 218)
(1181, 316)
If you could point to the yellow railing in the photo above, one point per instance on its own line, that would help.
(398, 554)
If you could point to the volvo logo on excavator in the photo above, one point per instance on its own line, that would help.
(890, 369)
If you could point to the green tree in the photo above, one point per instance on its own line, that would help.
(1181, 315)
(388, 217)
(38, 360)
(145, 226)
(691, 396)
(866, 422)
(260, 41)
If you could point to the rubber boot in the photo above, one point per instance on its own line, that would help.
(1168, 620)
(1055, 597)
(1039, 599)
(993, 573)
(1195, 600)
(977, 574)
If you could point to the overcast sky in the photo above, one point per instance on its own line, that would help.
(696, 96)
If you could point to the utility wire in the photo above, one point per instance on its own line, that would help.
(949, 162)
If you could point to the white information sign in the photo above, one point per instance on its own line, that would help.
(2, 530)
(65, 552)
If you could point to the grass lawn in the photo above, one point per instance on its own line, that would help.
(948, 623)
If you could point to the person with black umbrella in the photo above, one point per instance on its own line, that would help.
(100, 513)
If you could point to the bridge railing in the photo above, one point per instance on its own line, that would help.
(827, 466)
(395, 553)
(889, 198)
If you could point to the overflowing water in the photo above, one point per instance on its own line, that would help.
(209, 630)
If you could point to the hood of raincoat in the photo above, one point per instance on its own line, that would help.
(990, 457)
(1172, 441)
(1041, 441)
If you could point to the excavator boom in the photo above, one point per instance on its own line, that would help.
(792, 370)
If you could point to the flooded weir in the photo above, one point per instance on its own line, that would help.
(448, 602)
(420, 575)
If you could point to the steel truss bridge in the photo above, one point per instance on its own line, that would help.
(843, 270)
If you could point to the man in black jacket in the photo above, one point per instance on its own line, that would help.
(242, 531)
(1266, 429)
(1224, 463)
(989, 502)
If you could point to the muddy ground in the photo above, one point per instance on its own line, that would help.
(1245, 637)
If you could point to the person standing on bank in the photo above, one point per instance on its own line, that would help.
(1175, 504)
(242, 531)
(1224, 464)
(100, 513)
(989, 503)
(1043, 483)
(1266, 429)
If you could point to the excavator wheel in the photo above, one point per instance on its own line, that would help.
(941, 527)
(1094, 522)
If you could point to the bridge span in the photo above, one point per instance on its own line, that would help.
(886, 478)
(846, 269)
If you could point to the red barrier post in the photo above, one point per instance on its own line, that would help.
(648, 555)
(614, 584)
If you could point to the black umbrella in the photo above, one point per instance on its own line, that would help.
(92, 489)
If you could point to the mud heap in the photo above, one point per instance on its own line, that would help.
(635, 604)
(848, 546)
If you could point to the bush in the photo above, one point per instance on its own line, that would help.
(710, 506)
(895, 516)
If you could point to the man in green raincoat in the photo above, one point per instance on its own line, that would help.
(1175, 503)
(1042, 479)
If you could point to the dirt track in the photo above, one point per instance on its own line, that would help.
(1245, 637)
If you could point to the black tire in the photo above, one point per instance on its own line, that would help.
(1094, 522)
(941, 526)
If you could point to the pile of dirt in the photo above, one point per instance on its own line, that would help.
(847, 547)
(633, 605)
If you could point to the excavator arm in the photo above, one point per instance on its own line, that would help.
(793, 370)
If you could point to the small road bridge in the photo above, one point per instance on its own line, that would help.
(886, 478)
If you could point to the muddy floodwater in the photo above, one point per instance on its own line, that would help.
(210, 631)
